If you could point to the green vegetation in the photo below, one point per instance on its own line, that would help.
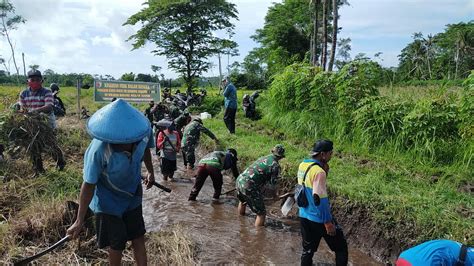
(184, 32)
(405, 162)
(34, 213)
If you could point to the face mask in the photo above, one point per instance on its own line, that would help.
(34, 85)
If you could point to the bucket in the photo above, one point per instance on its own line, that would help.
(205, 115)
(286, 208)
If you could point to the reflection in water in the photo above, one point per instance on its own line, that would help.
(224, 236)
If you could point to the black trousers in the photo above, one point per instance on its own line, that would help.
(229, 119)
(312, 233)
(37, 158)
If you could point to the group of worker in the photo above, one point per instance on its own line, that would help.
(123, 138)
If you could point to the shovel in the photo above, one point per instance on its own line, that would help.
(32, 258)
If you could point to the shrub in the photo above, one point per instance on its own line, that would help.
(291, 89)
(380, 118)
(211, 104)
(466, 109)
(323, 92)
(354, 82)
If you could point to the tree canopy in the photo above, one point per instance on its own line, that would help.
(185, 31)
(446, 55)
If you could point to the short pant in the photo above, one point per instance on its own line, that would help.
(254, 199)
(114, 231)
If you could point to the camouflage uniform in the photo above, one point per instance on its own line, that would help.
(158, 112)
(181, 121)
(250, 183)
(174, 111)
(191, 135)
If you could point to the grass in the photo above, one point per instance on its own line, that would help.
(415, 93)
(402, 195)
(405, 197)
(32, 210)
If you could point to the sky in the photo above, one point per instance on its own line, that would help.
(87, 36)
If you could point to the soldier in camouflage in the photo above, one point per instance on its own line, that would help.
(211, 165)
(191, 135)
(251, 182)
(174, 111)
(180, 122)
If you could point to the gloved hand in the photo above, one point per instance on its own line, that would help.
(330, 228)
(317, 199)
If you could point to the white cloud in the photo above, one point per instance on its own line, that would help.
(87, 35)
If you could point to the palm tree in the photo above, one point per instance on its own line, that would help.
(325, 35)
(462, 48)
(428, 44)
(334, 34)
(314, 37)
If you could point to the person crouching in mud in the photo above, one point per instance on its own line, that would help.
(122, 138)
(251, 182)
(211, 165)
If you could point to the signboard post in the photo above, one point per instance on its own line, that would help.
(137, 92)
(79, 85)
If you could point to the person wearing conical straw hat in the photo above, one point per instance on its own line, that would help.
(122, 138)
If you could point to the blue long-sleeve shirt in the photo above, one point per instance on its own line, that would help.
(230, 94)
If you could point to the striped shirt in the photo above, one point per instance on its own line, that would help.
(32, 100)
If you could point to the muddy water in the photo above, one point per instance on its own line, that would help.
(224, 236)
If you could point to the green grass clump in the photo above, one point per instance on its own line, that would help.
(425, 200)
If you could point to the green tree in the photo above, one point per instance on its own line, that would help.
(445, 55)
(144, 77)
(314, 36)
(183, 31)
(285, 36)
(343, 52)
(10, 22)
(324, 41)
(335, 29)
(128, 77)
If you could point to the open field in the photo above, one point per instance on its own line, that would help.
(396, 199)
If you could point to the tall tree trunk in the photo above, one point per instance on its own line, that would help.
(325, 35)
(457, 60)
(314, 37)
(13, 50)
(334, 34)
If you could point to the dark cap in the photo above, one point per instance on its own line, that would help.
(34, 73)
(279, 151)
(54, 87)
(321, 145)
(233, 152)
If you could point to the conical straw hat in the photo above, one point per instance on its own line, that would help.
(118, 123)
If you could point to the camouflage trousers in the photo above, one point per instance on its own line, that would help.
(253, 198)
(189, 154)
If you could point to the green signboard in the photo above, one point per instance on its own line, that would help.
(106, 90)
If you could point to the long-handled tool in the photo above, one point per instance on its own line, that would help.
(32, 258)
(158, 185)
(230, 191)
